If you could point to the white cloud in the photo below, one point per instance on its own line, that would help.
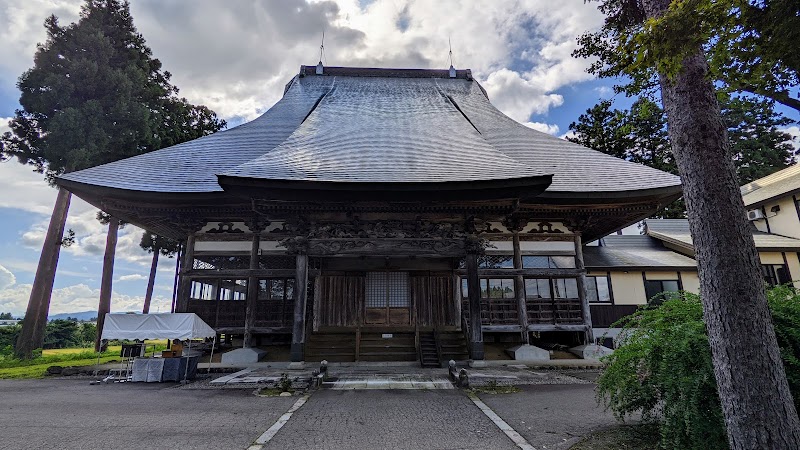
(794, 130)
(4, 125)
(604, 92)
(132, 277)
(517, 97)
(7, 279)
(90, 238)
(543, 127)
(79, 297)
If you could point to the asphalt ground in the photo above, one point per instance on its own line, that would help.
(71, 414)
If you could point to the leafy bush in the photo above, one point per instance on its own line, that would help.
(62, 333)
(8, 336)
(662, 368)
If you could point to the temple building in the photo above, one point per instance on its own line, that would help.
(388, 214)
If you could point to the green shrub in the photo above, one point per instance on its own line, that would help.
(663, 370)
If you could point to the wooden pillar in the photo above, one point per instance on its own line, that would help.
(474, 293)
(104, 306)
(151, 282)
(519, 288)
(184, 290)
(300, 292)
(31, 336)
(587, 313)
(252, 291)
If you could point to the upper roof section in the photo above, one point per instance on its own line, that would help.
(676, 232)
(627, 251)
(778, 184)
(395, 127)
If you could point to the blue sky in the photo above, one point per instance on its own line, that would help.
(235, 57)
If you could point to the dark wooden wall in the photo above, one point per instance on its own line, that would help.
(604, 315)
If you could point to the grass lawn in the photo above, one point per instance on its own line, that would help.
(74, 357)
(38, 370)
(72, 351)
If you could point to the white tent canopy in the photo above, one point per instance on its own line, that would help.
(156, 326)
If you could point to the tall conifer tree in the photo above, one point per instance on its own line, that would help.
(94, 95)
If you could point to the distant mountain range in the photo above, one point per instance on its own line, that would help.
(83, 315)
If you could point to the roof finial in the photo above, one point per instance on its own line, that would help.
(452, 69)
(320, 69)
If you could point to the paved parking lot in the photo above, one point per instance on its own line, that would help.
(69, 413)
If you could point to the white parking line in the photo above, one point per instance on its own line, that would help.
(504, 427)
(273, 430)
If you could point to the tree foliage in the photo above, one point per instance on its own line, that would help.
(662, 367)
(96, 95)
(751, 44)
(152, 242)
(758, 145)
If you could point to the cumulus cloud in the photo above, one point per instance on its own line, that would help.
(7, 279)
(543, 127)
(79, 297)
(235, 57)
(90, 238)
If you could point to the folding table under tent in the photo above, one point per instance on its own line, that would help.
(181, 326)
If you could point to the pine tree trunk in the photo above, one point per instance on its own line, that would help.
(31, 336)
(756, 402)
(105, 283)
(148, 295)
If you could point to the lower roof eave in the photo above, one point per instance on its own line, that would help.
(665, 194)
(309, 190)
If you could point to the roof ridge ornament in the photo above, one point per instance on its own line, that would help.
(320, 68)
(452, 69)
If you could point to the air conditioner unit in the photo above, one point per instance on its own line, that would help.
(755, 214)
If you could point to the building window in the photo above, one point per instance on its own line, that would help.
(217, 262)
(565, 288)
(775, 274)
(536, 288)
(548, 262)
(387, 289)
(598, 289)
(203, 290)
(276, 289)
(655, 287)
(218, 289)
(233, 290)
(492, 288)
(496, 262)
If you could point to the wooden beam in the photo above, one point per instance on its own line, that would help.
(301, 293)
(557, 327)
(502, 328)
(254, 330)
(246, 273)
(586, 311)
(252, 293)
(532, 273)
(186, 282)
(519, 289)
(474, 293)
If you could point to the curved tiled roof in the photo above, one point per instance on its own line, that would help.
(377, 125)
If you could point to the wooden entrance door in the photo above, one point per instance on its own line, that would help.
(338, 301)
(435, 303)
(386, 299)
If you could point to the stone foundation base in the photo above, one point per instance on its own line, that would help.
(528, 352)
(592, 351)
(243, 356)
